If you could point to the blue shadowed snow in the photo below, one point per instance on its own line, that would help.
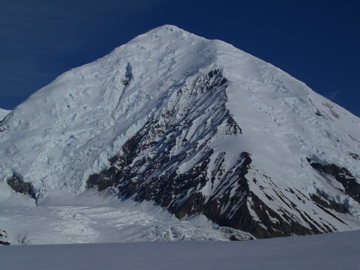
(331, 252)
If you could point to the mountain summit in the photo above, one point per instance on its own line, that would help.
(196, 126)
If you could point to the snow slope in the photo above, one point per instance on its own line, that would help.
(88, 113)
(196, 126)
(332, 252)
(3, 113)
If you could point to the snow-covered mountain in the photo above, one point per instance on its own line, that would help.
(197, 127)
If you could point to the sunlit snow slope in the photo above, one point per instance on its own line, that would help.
(196, 126)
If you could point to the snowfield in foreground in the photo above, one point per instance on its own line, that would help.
(331, 252)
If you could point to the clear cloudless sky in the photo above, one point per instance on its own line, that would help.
(316, 41)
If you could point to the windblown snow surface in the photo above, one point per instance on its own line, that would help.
(172, 105)
(335, 251)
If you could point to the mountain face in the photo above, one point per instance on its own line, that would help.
(197, 127)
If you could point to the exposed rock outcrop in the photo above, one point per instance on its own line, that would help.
(18, 185)
(3, 238)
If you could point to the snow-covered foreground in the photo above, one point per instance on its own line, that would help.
(91, 218)
(331, 252)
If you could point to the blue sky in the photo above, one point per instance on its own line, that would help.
(316, 41)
